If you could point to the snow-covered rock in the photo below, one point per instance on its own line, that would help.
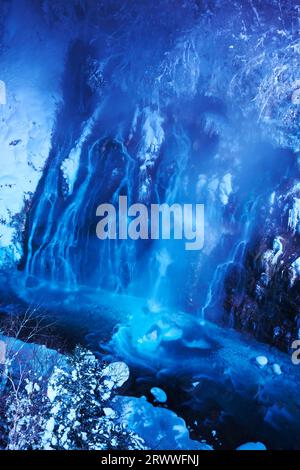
(109, 412)
(252, 446)
(117, 372)
(159, 394)
(277, 369)
(160, 428)
(262, 361)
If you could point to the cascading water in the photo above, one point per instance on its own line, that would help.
(90, 164)
(167, 102)
(149, 156)
(236, 258)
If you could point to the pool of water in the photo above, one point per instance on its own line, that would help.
(210, 374)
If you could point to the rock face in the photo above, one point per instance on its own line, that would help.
(270, 305)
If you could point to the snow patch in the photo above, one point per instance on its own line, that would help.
(295, 270)
(50, 424)
(225, 188)
(2, 92)
(69, 168)
(153, 137)
(70, 165)
(277, 249)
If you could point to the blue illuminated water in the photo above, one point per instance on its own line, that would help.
(148, 109)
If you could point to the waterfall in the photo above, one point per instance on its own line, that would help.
(158, 134)
(142, 151)
(165, 252)
(235, 258)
